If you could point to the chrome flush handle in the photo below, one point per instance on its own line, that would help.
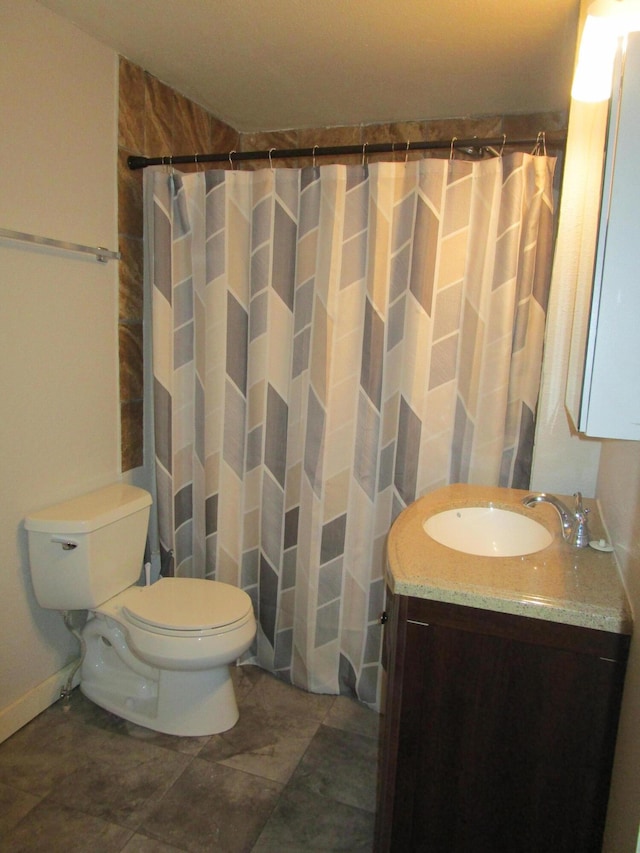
(67, 544)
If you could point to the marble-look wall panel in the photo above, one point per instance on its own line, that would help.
(328, 137)
(130, 222)
(191, 130)
(223, 139)
(159, 109)
(399, 132)
(131, 278)
(131, 442)
(463, 128)
(283, 139)
(553, 123)
(131, 107)
(154, 120)
(130, 336)
(530, 125)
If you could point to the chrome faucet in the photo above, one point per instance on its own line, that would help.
(575, 529)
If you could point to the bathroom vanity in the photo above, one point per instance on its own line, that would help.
(504, 682)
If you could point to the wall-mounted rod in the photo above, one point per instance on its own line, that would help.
(473, 145)
(102, 255)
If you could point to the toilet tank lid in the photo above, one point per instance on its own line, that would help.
(91, 511)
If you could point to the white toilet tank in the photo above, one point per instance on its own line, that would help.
(86, 550)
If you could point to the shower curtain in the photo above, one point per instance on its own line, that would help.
(328, 345)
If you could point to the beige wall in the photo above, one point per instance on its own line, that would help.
(618, 491)
(59, 374)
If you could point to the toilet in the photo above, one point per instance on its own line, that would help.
(155, 655)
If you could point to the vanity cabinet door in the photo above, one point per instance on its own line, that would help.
(503, 732)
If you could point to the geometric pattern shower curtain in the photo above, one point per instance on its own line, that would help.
(329, 344)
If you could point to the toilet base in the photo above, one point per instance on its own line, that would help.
(185, 702)
(176, 703)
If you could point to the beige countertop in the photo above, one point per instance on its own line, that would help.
(561, 583)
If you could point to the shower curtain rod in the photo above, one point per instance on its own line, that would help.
(475, 144)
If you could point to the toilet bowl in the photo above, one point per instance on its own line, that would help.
(159, 655)
(155, 655)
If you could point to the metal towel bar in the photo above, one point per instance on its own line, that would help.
(102, 255)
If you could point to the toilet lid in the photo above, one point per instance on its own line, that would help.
(187, 604)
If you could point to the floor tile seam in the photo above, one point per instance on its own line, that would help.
(68, 719)
(241, 697)
(293, 783)
(265, 676)
(268, 818)
(222, 762)
(24, 790)
(145, 834)
(149, 806)
(205, 740)
(361, 706)
(239, 755)
(349, 805)
(301, 781)
(78, 720)
(50, 798)
(75, 810)
(245, 771)
(274, 707)
(138, 741)
(155, 800)
(349, 732)
(16, 789)
(280, 718)
(5, 835)
(149, 833)
(304, 754)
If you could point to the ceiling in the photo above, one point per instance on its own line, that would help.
(279, 64)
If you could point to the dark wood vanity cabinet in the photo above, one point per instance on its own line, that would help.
(498, 731)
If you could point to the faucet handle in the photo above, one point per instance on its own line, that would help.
(580, 534)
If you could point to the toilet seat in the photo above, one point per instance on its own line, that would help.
(185, 607)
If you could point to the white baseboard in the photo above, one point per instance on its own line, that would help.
(34, 702)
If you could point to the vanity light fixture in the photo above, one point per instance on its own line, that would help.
(607, 22)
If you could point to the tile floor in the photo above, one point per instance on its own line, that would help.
(297, 773)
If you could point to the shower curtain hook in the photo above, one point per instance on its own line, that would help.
(491, 150)
(270, 160)
(541, 144)
(406, 152)
(452, 149)
(314, 156)
(364, 149)
(230, 160)
(195, 160)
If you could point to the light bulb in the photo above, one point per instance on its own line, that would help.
(594, 72)
(607, 21)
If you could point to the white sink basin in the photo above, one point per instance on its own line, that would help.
(487, 531)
